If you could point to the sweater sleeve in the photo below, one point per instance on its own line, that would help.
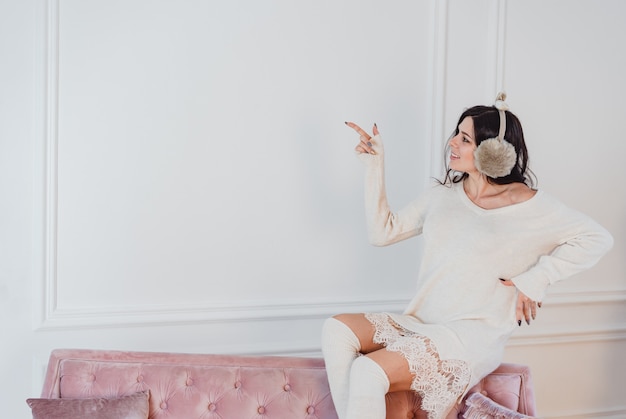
(583, 244)
(385, 227)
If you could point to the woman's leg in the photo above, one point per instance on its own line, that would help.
(376, 374)
(372, 377)
(439, 382)
(344, 338)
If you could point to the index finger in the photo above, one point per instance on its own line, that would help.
(358, 129)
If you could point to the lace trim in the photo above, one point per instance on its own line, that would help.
(439, 382)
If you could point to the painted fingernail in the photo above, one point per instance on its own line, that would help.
(502, 279)
(528, 322)
(369, 143)
(345, 122)
(519, 322)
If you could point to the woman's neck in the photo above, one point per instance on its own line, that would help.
(491, 195)
(477, 187)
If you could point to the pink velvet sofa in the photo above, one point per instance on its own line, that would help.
(190, 386)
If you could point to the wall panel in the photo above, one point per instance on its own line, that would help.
(192, 164)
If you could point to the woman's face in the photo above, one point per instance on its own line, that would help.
(462, 147)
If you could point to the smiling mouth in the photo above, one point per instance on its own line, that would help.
(454, 156)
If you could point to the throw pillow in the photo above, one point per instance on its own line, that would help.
(480, 406)
(135, 406)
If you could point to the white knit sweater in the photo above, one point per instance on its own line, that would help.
(460, 302)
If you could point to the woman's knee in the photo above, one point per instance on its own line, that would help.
(361, 327)
(336, 333)
(367, 373)
(396, 367)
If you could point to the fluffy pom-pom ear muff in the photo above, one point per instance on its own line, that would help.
(496, 157)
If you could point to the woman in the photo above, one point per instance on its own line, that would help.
(492, 245)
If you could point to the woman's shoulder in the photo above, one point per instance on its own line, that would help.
(520, 192)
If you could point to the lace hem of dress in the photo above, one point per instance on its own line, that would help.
(439, 382)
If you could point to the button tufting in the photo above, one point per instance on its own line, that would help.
(237, 384)
(310, 410)
(189, 382)
(163, 405)
(92, 377)
(212, 407)
(261, 410)
(140, 378)
(287, 387)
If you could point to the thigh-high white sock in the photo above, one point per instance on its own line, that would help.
(368, 386)
(340, 347)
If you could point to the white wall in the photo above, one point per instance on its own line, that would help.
(176, 176)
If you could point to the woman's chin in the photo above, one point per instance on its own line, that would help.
(454, 165)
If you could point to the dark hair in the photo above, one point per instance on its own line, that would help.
(486, 125)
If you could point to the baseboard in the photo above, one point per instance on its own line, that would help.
(614, 413)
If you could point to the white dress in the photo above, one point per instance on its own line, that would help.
(454, 330)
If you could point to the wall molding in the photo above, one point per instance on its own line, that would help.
(239, 311)
(438, 70)
(299, 310)
(592, 300)
(570, 337)
(437, 56)
(497, 37)
(48, 314)
(47, 114)
(565, 298)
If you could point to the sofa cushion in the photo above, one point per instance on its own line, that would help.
(134, 406)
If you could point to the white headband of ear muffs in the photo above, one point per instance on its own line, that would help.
(496, 157)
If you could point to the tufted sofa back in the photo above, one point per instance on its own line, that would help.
(190, 386)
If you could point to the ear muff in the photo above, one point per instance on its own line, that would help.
(496, 157)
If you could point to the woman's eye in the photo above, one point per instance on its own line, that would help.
(465, 140)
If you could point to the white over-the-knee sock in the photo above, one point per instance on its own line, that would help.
(368, 386)
(340, 347)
